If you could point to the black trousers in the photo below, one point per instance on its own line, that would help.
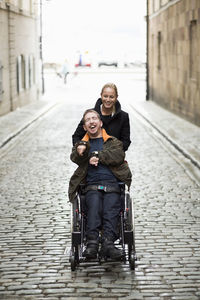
(102, 214)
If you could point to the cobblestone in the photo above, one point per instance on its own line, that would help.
(35, 218)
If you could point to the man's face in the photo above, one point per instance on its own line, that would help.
(92, 124)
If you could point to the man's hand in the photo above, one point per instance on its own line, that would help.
(81, 149)
(94, 161)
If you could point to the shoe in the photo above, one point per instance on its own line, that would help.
(109, 250)
(91, 249)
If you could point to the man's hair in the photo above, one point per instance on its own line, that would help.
(89, 111)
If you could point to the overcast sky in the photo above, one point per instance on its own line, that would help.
(113, 28)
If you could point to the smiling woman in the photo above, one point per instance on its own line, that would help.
(109, 98)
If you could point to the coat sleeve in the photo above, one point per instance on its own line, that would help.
(125, 132)
(76, 158)
(113, 153)
(78, 133)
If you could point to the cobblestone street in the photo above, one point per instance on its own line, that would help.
(35, 214)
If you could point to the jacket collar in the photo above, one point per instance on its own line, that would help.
(98, 107)
(105, 136)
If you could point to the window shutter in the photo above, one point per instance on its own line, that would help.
(1, 82)
(26, 72)
(19, 79)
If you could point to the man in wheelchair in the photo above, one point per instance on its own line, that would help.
(101, 165)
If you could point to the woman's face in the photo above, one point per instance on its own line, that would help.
(108, 97)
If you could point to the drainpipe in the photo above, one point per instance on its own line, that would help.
(41, 49)
(10, 36)
(147, 51)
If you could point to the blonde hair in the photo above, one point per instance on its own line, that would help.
(110, 85)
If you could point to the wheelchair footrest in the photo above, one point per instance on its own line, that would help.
(76, 238)
(128, 237)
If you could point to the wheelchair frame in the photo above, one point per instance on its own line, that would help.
(126, 230)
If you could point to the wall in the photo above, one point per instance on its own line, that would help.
(4, 61)
(174, 56)
(18, 44)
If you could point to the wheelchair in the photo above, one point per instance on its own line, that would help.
(126, 228)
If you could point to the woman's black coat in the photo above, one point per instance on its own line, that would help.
(118, 125)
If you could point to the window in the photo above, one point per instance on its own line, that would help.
(31, 6)
(20, 73)
(1, 81)
(31, 70)
(27, 81)
(159, 50)
(20, 3)
(163, 2)
(156, 5)
(193, 49)
(151, 6)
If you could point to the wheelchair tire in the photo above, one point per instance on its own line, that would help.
(74, 258)
(75, 215)
(132, 260)
(129, 218)
(73, 262)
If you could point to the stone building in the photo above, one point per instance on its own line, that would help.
(19, 53)
(173, 57)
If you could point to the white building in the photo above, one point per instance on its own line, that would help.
(19, 54)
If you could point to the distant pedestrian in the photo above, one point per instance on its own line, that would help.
(64, 72)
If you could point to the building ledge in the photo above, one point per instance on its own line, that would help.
(17, 10)
(164, 7)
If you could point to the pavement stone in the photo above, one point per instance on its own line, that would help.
(183, 135)
(35, 212)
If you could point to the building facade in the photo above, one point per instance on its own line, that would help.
(174, 56)
(19, 54)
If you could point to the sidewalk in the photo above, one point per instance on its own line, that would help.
(184, 135)
(15, 122)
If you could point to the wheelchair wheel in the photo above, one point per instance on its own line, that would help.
(73, 262)
(74, 258)
(131, 256)
(75, 215)
(132, 260)
(129, 213)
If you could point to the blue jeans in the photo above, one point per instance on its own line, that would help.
(102, 214)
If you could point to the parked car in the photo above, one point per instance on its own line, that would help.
(109, 63)
(136, 63)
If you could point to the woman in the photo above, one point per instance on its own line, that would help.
(115, 120)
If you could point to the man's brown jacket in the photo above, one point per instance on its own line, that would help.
(112, 156)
